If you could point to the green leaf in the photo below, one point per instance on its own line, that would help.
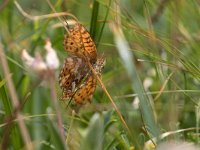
(94, 134)
(2, 82)
(55, 136)
(128, 62)
(93, 23)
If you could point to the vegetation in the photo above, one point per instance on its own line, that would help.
(148, 92)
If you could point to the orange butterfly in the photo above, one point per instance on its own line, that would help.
(76, 79)
(79, 43)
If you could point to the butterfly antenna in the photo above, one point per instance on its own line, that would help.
(67, 23)
(51, 6)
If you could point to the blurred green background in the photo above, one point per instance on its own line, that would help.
(152, 51)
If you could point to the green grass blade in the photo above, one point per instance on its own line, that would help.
(103, 25)
(93, 22)
(128, 62)
(55, 136)
(15, 134)
(94, 136)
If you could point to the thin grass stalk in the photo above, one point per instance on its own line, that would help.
(70, 128)
(163, 87)
(15, 102)
(56, 106)
(105, 19)
(93, 22)
(127, 58)
(110, 98)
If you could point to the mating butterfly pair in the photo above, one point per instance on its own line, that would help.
(76, 79)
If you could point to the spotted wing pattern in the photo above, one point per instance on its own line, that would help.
(76, 79)
(85, 92)
(78, 42)
(71, 75)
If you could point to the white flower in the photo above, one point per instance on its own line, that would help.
(27, 59)
(136, 103)
(51, 58)
(39, 65)
(35, 64)
(147, 83)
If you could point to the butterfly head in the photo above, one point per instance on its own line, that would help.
(100, 63)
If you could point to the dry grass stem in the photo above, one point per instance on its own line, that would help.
(110, 98)
(15, 101)
(55, 104)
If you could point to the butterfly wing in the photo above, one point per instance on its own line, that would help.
(79, 43)
(71, 75)
(85, 92)
(76, 79)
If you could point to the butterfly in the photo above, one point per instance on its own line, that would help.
(76, 79)
(79, 43)
(72, 73)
